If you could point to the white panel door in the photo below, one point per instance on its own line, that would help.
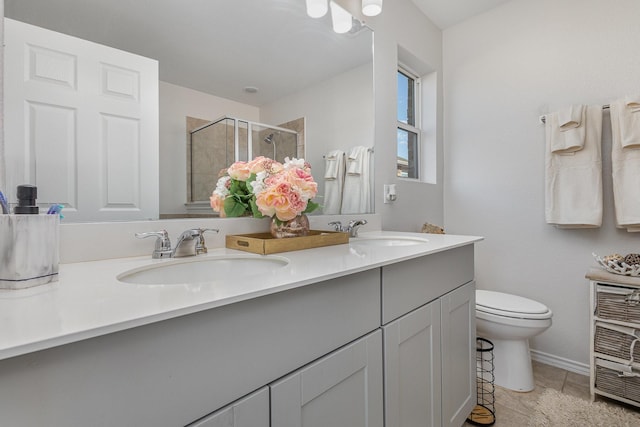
(252, 411)
(458, 354)
(412, 369)
(81, 123)
(343, 389)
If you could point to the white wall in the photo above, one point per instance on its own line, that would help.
(502, 70)
(176, 103)
(338, 115)
(402, 23)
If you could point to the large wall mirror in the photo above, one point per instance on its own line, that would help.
(262, 61)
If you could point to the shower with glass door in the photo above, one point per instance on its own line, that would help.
(217, 144)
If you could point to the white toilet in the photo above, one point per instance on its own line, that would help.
(508, 321)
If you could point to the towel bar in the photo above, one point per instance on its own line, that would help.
(543, 118)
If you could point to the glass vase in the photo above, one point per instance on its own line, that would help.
(296, 227)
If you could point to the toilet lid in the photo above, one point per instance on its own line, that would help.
(510, 305)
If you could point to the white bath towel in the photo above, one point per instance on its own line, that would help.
(333, 182)
(568, 129)
(629, 119)
(356, 195)
(573, 181)
(625, 166)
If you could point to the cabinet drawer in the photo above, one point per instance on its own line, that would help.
(410, 284)
(618, 303)
(617, 379)
(618, 341)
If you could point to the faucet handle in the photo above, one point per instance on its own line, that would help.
(337, 225)
(201, 247)
(163, 243)
(354, 225)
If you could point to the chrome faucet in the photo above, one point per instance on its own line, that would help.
(194, 235)
(352, 228)
(163, 243)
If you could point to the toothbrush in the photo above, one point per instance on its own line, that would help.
(4, 204)
(55, 210)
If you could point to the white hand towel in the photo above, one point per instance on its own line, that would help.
(331, 164)
(625, 165)
(356, 195)
(573, 183)
(568, 129)
(355, 160)
(333, 182)
(570, 118)
(629, 119)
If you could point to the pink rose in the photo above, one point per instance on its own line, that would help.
(239, 171)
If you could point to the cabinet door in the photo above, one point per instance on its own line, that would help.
(412, 369)
(252, 411)
(343, 389)
(458, 354)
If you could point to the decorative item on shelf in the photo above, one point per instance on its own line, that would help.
(264, 187)
(632, 259)
(617, 264)
(431, 228)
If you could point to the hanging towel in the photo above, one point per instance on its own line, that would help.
(629, 119)
(625, 165)
(573, 180)
(356, 194)
(355, 160)
(333, 182)
(570, 118)
(568, 129)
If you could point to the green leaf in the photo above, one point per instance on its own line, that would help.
(254, 209)
(234, 208)
(311, 206)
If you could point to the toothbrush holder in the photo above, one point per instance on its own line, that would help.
(29, 250)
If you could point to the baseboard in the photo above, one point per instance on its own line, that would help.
(560, 362)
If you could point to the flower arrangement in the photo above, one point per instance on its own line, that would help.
(265, 187)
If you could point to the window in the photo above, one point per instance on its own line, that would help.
(408, 139)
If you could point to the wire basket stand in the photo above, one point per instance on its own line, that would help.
(484, 412)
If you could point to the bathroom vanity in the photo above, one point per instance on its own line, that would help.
(328, 339)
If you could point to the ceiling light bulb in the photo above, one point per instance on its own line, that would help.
(340, 18)
(317, 8)
(371, 7)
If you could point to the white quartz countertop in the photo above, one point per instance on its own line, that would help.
(88, 301)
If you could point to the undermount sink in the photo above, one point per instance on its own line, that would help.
(387, 241)
(202, 270)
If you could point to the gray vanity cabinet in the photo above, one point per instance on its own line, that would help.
(458, 332)
(343, 388)
(428, 311)
(251, 411)
(412, 368)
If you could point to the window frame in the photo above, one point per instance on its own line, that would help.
(409, 128)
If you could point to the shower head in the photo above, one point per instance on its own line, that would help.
(269, 139)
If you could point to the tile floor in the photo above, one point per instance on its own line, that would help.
(514, 408)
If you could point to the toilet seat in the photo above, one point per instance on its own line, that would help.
(507, 305)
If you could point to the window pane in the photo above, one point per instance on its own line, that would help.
(406, 103)
(407, 160)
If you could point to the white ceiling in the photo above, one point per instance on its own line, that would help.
(446, 13)
(222, 46)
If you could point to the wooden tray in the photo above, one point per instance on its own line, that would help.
(265, 243)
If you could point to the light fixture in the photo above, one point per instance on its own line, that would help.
(371, 7)
(317, 8)
(340, 18)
